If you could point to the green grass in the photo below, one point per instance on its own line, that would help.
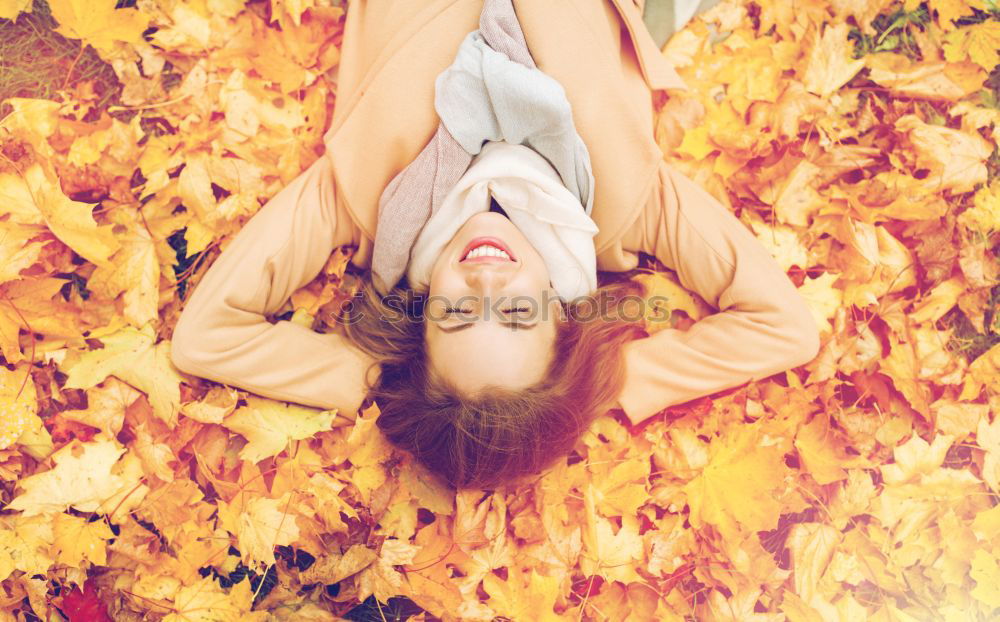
(37, 62)
(893, 33)
(966, 340)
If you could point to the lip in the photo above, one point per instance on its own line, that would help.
(497, 242)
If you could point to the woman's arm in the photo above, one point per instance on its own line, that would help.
(764, 326)
(222, 333)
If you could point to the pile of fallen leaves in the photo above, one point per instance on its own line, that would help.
(857, 139)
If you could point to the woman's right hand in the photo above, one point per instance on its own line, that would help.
(222, 333)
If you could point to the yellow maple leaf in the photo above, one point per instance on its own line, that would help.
(188, 29)
(336, 567)
(812, 546)
(381, 578)
(611, 555)
(9, 9)
(903, 367)
(367, 448)
(621, 489)
(39, 194)
(986, 525)
(984, 215)
(985, 370)
(957, 159)
(986, 573)
(17, 251)
(134, 273)
(289, 8)
(797, 199)
(822, 452)
(916, 457)
(217, 403)
(133, 356)
(830, 65)
(206, 601)
(880, 265)
(939, 300)
(823, 298)
(735, 490)
(35, 304)
(979, 43)
(18, 405)
(264, 524)
(696, 143)
(983, 42)
(98, 22)
(33, 120)
(269, 425)
(106, 405)
(77, 540)
(908, 77)
(249, 107)
(240, 178)
(24, 545)
(87, 476)
(782, 241)
(663, 295)
(950, 10)
(514, 600)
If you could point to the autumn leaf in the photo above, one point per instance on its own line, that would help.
(824, 455)
(665, 294)
(984, 215)
(829, 65)
(132, 356)
(38, 195)
(735, 490)
(978, 42)
(268, 425)
(86, 476)
(9, 9)
(986, 574)
(24, 544)
(77, 540)
(98, 22)
(823, 299)
(18, 406)
(518, 598)
(605, 552)
(264, 524)
(957, 159)
(207, 601)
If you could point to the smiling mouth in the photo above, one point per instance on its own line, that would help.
(487, 249)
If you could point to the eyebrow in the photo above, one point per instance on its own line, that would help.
(465, 325)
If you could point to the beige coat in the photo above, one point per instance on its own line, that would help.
(602, 54)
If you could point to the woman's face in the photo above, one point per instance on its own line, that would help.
(491, 314)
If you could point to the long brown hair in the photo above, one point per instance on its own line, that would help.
(497, 436)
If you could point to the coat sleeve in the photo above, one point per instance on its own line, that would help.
(222, 333)
(763, 325)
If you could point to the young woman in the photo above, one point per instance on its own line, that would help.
(482, 398)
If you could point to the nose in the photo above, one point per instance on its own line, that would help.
(487, 279)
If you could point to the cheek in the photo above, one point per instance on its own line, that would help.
(444, 282)
(439, 276)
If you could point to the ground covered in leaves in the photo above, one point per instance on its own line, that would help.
(857, 139)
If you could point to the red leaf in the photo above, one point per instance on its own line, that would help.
(84, 606)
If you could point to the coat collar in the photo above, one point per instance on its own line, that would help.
(387, 119)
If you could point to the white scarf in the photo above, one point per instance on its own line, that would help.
(532, 194)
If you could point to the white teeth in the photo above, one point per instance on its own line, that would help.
(487, 251)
